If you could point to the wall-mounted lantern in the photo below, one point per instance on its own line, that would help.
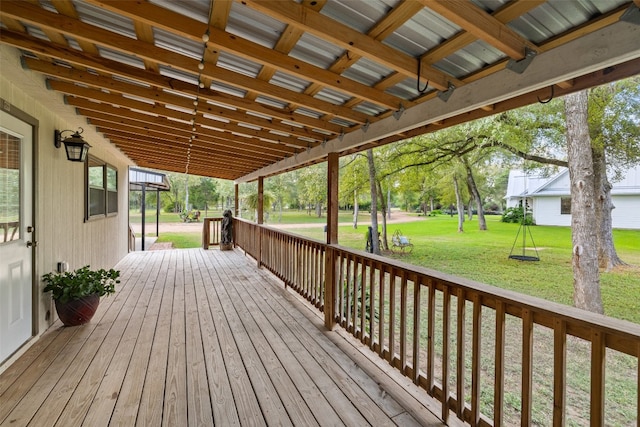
(74, 145)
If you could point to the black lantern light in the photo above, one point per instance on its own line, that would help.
(74, 145)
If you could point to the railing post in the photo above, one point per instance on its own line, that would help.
(260, 219)
(332, 196)
(206, 238)
(329, 288)
(236, 203)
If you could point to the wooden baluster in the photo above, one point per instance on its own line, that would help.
(330, 287)
(476, 354)
(527, 366)
(340, 288)
(460, 347)
(372, 303)
(446, 324)
(381, 300)
(392, 316)
(347, 292)
(403, 322)
(354, 312)
(431, 330)
(363, 302)
(598, 350)
(417, 306)
(498, 392)
(559, 371)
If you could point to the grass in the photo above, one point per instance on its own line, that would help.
(181, 240)
(304, 217)
(483, 256)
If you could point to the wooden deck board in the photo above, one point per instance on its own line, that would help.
(198, 337)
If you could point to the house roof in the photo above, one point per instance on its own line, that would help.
(522, 184)
(139, 178)
(279, 84)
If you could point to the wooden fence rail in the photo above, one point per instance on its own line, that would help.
(456, 338)
(211, 232)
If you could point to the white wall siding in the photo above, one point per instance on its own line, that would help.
(546, 211)
(626, 213)
(61, 232)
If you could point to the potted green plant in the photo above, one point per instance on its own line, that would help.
(77, 293)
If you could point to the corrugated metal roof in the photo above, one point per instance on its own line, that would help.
(316, 108)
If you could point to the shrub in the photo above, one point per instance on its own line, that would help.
(515, 215)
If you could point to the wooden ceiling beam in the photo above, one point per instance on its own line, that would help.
(225, 114)
(112, 113)
(232, 145)
(317, 24)
(272, 58)
(505, 14)
(303, 70)
(72, 56)
(135, 48)
(252, 143)
(151, 143)
(482, 25)
(184, 132)
(164, 98)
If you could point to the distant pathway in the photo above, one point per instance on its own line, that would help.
(397, 217)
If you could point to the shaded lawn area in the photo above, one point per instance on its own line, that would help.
(483, 256)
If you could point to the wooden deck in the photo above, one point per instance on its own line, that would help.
(196, 337)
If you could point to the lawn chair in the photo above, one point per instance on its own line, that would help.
(400, 243)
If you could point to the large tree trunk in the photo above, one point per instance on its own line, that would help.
(607, 255)
(459, 203)
(356, 209)
(473, 189)
(584, 226)
(374, 203)
(384, 209)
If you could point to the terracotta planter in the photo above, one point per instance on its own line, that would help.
(226, 246)
(79, 311)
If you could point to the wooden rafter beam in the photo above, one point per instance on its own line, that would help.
(272, 58)
(135, 48)
(476, 21)
(127, 72)
(181, 130)
(506, 14)
(349, 39)
(161, 97)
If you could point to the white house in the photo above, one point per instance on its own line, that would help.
(550, 197)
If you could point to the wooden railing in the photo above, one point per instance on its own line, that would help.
(211, 232)
(132, 240)
(462, 341)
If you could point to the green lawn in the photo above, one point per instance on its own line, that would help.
(135, 216)
(483, 256)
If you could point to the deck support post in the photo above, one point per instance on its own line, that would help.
(332, 239)
(333, 169)
(236, 201)
(260, 219)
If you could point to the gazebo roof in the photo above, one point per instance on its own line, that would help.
(279, 84)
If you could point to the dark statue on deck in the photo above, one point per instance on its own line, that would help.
(226, 232)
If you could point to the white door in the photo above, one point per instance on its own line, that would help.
(16, 226)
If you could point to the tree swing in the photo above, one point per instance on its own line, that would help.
(524, 227)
